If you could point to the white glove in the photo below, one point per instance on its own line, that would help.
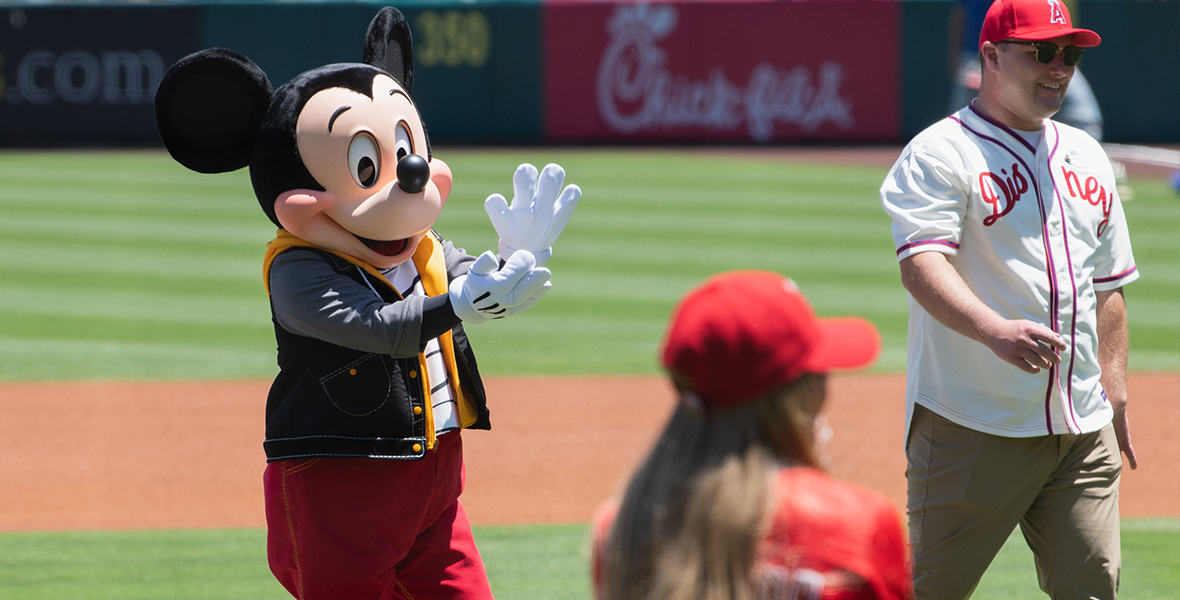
(539, 211)
(486, 292)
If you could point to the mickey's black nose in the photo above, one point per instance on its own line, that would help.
(413, 173)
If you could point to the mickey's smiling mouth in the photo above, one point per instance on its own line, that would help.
(386, 248)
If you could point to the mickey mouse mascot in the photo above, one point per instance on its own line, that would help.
(377, 378)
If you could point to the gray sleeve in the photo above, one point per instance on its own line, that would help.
(458, 261)
(312, 299)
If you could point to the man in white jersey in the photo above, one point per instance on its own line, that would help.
(1013, 247)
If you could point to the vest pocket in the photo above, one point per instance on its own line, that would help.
(361, 387)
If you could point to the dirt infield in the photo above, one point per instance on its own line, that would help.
(189, 454)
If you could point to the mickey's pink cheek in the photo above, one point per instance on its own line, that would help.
(296, 209)
(440, 175)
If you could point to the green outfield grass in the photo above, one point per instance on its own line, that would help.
(543, 562)
(126, 265)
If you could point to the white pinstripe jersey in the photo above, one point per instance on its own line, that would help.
(1035, 228)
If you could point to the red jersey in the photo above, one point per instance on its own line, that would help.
(828, 540)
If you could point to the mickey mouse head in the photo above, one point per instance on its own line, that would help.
(338, 156)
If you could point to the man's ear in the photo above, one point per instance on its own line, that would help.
(209, 108)
(389, 47)
(989, 53)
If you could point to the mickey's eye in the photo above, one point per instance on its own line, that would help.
(364, 161)
(405, 145)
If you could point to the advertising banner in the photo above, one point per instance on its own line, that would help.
(478, 72)
(733, 72)
(86, 76)
(476, 65)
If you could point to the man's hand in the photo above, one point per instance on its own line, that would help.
(938, 287)
(1122, 432)
(539, 212)
(1027, 345)
(487, 292)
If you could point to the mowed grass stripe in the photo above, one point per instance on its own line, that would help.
(24, 226)
(117, 181)
(697, 234)
(146, 306)
(523, 563)
(128, 258)
(692, 260)
(59, 281)
(134, 249)
(41, 359)
(137, 331)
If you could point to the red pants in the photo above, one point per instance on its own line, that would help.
(358, 529)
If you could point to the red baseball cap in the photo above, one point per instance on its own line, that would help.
(1033, 20)
(744, 333)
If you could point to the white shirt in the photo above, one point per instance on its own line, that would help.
(1035, 231)
(445, 410)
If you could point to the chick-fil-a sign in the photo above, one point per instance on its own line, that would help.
(732, 71)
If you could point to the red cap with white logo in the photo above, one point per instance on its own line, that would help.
(1033, 20)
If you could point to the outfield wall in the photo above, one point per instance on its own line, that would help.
(574, 71)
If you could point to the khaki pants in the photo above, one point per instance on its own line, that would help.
(969, 490)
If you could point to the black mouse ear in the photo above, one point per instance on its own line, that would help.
(389, 47)
(209, 108)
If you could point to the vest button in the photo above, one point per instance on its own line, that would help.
(413, 374)
(352, 371)
(417, 410)
(417, 447)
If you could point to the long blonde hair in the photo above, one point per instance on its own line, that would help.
(693, 513)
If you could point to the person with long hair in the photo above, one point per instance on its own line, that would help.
(731, 502)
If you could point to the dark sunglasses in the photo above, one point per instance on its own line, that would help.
(1046, 51)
